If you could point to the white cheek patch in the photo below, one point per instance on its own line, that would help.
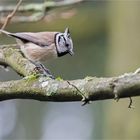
(61, 43)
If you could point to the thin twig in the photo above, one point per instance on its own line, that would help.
(11, 15)
(85, 100)
(130, 103)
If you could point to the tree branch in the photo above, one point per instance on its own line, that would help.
(39, 6)
(40, 9)
(11, 56)
(9, 17)
(93, 88)
(44, 89)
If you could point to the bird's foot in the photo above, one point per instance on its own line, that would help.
(44, 71)
(31, 77)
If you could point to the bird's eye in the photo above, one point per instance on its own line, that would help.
(67, 45)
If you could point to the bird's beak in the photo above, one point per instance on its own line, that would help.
(71, 52)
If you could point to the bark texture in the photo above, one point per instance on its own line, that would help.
(34, 86)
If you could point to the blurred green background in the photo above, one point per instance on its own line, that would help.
(106, 36)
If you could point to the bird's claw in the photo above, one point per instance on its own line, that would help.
(44, 72)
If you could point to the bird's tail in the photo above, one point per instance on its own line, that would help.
(9, 34)
(5, 32)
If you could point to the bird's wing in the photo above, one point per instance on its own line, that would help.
(40, 38)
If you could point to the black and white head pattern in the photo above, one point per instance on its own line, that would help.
(64, 43)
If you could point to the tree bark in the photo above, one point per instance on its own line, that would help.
(43, 88)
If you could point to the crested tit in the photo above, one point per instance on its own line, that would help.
(43, 46)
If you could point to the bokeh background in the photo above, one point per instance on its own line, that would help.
(106, 36)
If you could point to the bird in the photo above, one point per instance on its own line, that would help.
(43, 46)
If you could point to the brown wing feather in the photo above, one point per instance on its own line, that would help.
(40, 38)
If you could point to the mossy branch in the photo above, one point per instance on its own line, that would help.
(44, 89)
(92, 88)
(10, 55)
